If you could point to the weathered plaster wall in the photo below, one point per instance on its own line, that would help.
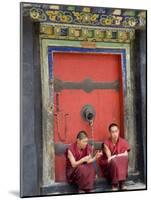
(140, 98)
(30, 112)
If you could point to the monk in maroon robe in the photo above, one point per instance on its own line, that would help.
(114, 161)
(79, 163)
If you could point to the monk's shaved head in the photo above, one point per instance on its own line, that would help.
(82, 135)
(112, 125)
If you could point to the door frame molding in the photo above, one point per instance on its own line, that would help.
(47, 48)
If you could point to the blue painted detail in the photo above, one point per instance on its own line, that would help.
(64, 32)
(114, 35)
(98, 10)
(122, 52)
(79, 8)
(50, 64)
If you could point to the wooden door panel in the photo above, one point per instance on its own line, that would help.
(74, 74)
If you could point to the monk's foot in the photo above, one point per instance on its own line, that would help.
(88, 191)
(81, 191)
(122, 185)
(114, 187)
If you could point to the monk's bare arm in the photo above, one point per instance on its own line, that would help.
(123, 154)
(75, 163)
(107, 151)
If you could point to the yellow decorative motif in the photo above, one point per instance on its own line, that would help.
(111, 20)
(106, 20)
(117, 12)
(71, 32)
(74, 32)
(94, 17)
(59, 16)
(78, 16)
(87, 34)
(34, 13)
(54, 7)
(47, 30)
(129, 21)
(84, 32)
(132, 22)
(123, 35)
(86, 10)
(64, 18)
(99, 34)
(117, 20)
(67, 14)
(52, 15)
(108, 34)
(37, 14)
(77, 33)
(57, 31)
(85, 17)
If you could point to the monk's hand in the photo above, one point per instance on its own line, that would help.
(111, 157)
(98, 154)
(86, 158)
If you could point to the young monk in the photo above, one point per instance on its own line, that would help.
(79, 167)
(114, 161)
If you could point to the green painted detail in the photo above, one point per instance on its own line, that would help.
(142, 18)
(71, 8)
(129, 13)
(54, 7)
(78, 44)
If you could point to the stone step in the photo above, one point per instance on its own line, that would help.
(101, 185)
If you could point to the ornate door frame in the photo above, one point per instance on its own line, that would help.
(124, 49)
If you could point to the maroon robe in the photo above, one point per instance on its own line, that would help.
(116, 170)
(84, 174)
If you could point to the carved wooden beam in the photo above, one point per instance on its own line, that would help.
(93, 34)
(85, 15)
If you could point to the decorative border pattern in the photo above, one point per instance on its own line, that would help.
(80, 15)
(96, 34)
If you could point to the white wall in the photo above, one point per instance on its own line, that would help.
(9, 99)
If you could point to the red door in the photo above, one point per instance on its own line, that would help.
(81, 79)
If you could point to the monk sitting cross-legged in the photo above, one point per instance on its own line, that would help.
(114, 161)
(79, 167)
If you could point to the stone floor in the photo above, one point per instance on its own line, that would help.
(98, 188)
(131, 185)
